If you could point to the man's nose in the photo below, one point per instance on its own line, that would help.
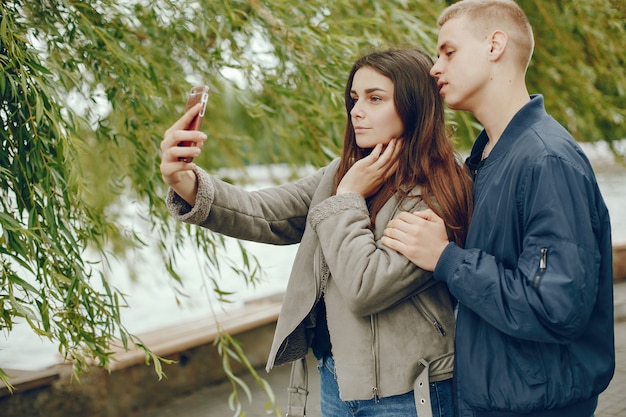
(435, 70)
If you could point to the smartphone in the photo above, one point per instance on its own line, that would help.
(197, 94)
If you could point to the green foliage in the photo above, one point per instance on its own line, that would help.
(45, 228)
(580, 65)
(230, 349)
(88, 88)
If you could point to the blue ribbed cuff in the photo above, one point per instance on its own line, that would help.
(449, 261)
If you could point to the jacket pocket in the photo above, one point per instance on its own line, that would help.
(430, 317)
(527, 360)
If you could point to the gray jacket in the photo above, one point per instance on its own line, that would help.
(388, 320)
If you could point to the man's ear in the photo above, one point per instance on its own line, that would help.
(499, 40)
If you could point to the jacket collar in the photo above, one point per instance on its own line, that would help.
(526, 116)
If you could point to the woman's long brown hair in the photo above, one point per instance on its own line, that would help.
(427, 158)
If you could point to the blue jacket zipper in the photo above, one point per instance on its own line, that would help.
(543, 264)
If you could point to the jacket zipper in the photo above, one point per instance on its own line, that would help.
(316, 273)
(543, 264)
(431, 318)
(374, 325)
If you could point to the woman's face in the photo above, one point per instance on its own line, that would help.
(374, 115)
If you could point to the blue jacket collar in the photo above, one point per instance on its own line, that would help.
(528, 114)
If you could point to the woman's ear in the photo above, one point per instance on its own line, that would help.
(499, 40)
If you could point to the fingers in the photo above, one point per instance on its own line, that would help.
(407, 217)
(389, 160)
(191, 140)
(399, 229)
(181, 125)
(367, 175)
(384, 159)
(428, 215)
(394, 244)
(385, 154)
(406, 226)
(393, 149)
(418, 236)
(179, 147)
(185, 120)
(176, 135)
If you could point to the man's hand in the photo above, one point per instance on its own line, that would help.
(420, 236)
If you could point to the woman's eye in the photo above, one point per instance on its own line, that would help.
(375, 98)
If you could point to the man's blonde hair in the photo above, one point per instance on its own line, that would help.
(489, 15)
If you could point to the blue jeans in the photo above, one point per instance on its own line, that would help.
(403, 405)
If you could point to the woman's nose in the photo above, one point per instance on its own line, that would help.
(356, 111)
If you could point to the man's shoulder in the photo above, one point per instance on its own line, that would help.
(547, 138)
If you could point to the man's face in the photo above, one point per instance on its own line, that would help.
(461, 68)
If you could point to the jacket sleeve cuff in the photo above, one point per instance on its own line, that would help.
(182, 211)
(448, 263)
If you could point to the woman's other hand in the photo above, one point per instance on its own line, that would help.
(367, 175)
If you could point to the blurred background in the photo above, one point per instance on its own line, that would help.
(88, 252)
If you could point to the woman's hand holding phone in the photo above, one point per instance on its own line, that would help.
(179, 146)
(198, 94)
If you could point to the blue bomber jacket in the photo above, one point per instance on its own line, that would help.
(535, 331)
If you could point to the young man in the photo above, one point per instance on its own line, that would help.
(534, 281)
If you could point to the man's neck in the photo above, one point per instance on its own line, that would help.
(497, 112)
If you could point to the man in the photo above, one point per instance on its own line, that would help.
(534, 282)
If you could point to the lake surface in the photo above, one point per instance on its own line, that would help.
(152, 297)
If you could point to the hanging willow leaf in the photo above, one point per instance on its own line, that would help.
(88, 88)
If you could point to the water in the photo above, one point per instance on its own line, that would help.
(612, 182)
(152, 298)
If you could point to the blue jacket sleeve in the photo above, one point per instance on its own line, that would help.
(542, 285)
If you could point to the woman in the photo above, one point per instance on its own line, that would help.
(381, 328)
